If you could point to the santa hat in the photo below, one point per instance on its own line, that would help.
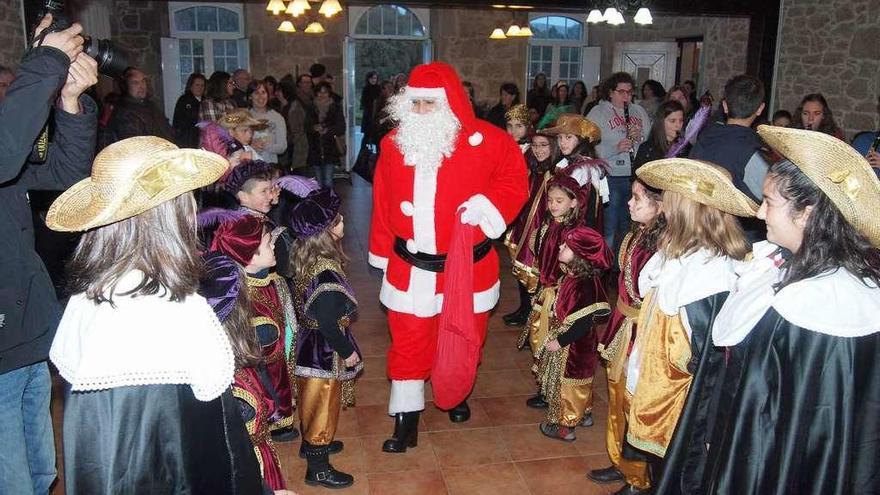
(439, 80)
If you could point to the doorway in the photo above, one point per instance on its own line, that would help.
(647, 60)
(388, 39)
(689, 64)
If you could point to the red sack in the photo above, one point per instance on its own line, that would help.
(458, 342)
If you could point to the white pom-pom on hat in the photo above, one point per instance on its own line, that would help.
(475, 139)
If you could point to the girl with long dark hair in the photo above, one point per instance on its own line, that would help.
(665, 130)
(803, 331)
(814, 114)
(186, 112)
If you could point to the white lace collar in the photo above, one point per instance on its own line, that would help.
(684, 280)
(835, 303)
(143, 340)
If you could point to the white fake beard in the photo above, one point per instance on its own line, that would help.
(424, 140)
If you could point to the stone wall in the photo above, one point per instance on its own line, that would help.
(461, 38)
(725, 43)
(137, 27)
(11, 33)
(831, 46)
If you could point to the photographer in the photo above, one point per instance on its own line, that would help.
(54, 73)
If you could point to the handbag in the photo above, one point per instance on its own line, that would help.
(365, 164)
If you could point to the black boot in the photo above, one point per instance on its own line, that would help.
(460, 413)
(537, 401)
(519, 317)
(605, 475)
(320, 472)
(406, 433)
(334, 447)
(285, 435)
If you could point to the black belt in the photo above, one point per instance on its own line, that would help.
(435, 262)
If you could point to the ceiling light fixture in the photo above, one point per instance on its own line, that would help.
(498, 34)
(614, 13)
(595, 17)
(275, 6)
(287, 27)
(314, 28)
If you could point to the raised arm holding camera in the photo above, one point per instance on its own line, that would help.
(53, 74)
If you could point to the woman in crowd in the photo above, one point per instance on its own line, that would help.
(383, 122)
(665, 131)
(539, 96)
(324, 124)
(271, 141)
(814, 114)
(186, 112)
(508, 97)
(218, 97)
(145, 413)
(275, 103)
(803, 331)
(651, 96)
(673, 366)
(680, 94)
(558, 106)
(369, 100)
(578, 97)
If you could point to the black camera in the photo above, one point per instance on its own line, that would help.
(111, 61)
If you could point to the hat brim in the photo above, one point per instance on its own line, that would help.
(837, 169)
(85, 205)
(703, 182)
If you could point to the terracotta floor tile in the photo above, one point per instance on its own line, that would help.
(374, 368)
(374, 420)
(373, 343)
(348, 424)
(506, 359)
(511, 410)
(408, 483)
(420, 458)
(562, 476)
(436, 420)
(527, 443)
(502, 340)
(373, 391)
(591, 440)
(502, 384)
(469, 447)
(491, 479)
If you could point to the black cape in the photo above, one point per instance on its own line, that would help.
(156, 439)
(804, 414)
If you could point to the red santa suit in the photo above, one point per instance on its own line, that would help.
(413, 213)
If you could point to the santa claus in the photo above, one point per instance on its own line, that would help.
(440, 167)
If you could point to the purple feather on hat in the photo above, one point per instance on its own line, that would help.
(221, 283)
(690, 134)
(210, 217)
(314, 213)
(244, 171)
(216, 139)
(298, 185)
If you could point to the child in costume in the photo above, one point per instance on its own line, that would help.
(224, 286)
(519, 126)
(576, 137)
(540, 158)
(241, 126)
(802, 384)
(249, 242)
(563, 212)
(567, 357)
(327, 356)
(149, 366)
(615, 343)
(683, 287)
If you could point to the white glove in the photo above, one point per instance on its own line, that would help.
(470, 214)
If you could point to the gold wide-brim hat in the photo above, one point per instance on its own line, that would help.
(572, 123)
(130, 177)
(241, 117)
(703, 182)
(837, 169)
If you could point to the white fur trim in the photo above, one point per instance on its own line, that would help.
(377, 261)
(406, 396)
(491, 222)
(422, 300)
(475, 139)
(411, 246)
(415, 93)
(407, 208)
(424, 192)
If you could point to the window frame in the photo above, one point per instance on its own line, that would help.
(174, 7)
(556, 45)
(356, 12)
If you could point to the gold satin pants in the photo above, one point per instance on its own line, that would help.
(634, 472)
(575, 400)
(319, 401)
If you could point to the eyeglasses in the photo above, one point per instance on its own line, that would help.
(624, 91)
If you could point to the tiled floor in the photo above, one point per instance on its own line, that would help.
(499, 451)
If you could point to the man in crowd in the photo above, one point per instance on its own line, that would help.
(241, 79)
(6, 77)
(53, 74)
(136, 114)
(319, 74)
(625, 125)
(418, 199)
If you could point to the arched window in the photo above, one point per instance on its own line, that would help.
(391, 21)
(557, 49)
(204, 38)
